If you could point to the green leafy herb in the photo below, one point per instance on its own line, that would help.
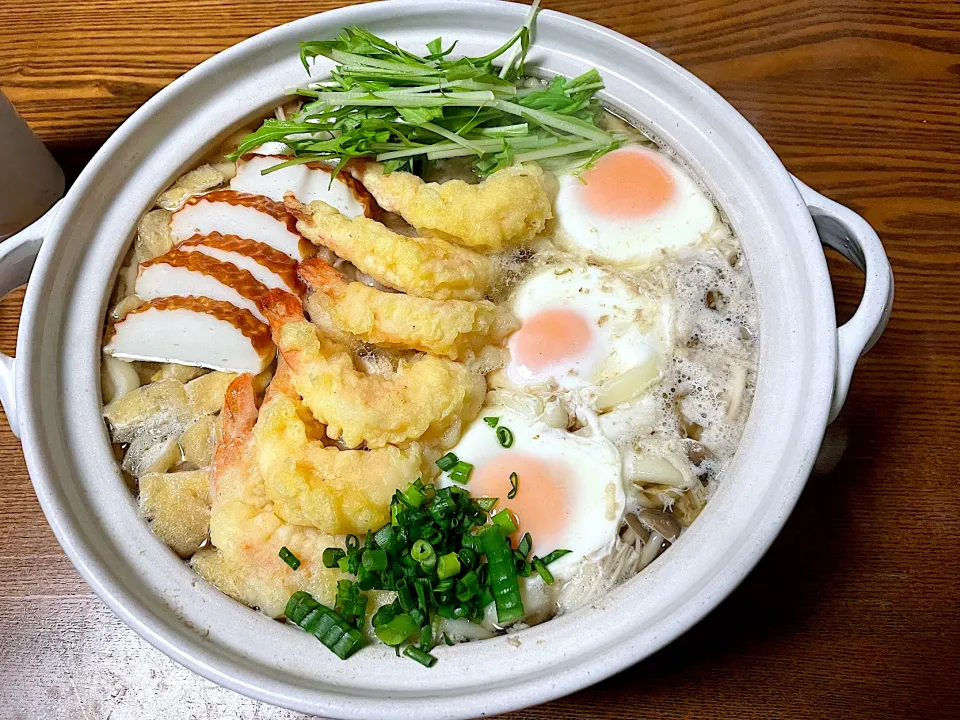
(289, 558)
(409, 110)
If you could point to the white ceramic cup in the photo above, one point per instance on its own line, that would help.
(30, 179)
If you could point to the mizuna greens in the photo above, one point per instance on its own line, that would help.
(409, 110)
(441, 557)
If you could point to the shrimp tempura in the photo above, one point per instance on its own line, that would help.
(245, 531)
(456, 329)
(427, 399)
(507, 209)
(421, 266)
(338, 491)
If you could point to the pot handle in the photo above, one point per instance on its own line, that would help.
(851, 236)
(18, 253)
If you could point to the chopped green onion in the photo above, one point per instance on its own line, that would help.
(461, 472)
(391, 627)
(491, 421)
(447, 640)
(424, 658)
(332, 556)
(448, 566)
(554, 556)
(289, 558)
(503, 575)
(447, 461)
(525, 546)
(505, 522)
(542, 571)
(413, 496)
(505, 436)
(374, 560)
(514, 486)
(487, 504)
(339, 636)
(422, 551)
(468, 586)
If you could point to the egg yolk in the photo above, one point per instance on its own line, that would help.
(551, 337)
(627, 184)
(541, 505)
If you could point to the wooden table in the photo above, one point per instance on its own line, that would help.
(855, 611)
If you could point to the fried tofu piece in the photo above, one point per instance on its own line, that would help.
(206, 392)
(312, 484)
(426, 399)
(455, 329)
(198, 442)
(246, 533)
(425, 267)
(157, 409)
(507, 209)
(178, 508)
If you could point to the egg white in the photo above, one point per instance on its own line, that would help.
(636, 241)
(629, 328)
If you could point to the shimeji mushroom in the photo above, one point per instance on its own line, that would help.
(644, 535)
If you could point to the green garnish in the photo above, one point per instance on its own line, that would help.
(505, 522)
(460, 473)
(422, 657)
(554, 556)
(332, 556)
(514, 486)
(505, 436)
(447, 461)
(503, 574)
(443, 555)
(491, 421)
(448, 566)
(289, 558)
(339, 636)
(542, 571)
(410, 110)
(393, 628)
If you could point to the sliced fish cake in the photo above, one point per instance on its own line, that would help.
(235, 213)
(193, 331)
(307, 182)
(193, 273)
(268, 265)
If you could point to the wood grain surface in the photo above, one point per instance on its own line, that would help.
(855, 611)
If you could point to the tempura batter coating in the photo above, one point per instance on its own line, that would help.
(337, 491)
(246, 533)
(425, 267)
(456, 329)
(426, 399)
(507, 209)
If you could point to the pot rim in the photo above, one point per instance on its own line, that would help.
(211, 661)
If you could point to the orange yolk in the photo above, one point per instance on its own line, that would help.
(542, 503)
(627, 184)
(549, 338)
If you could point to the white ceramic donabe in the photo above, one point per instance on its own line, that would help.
(51, 392)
